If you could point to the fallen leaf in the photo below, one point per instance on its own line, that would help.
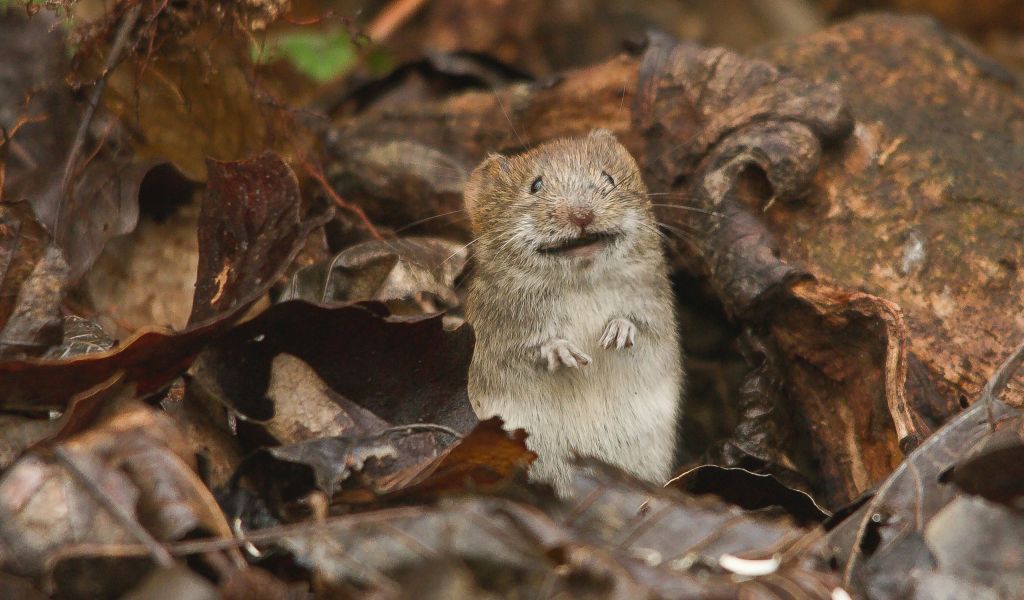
(154, 356)
(250, 224)
(411, 275)
(404, 370)
(140, 461)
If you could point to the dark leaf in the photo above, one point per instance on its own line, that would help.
(250, 224)
(623, 541)
(978, 543)
(994, 468)
(404, 370)
(910, 498)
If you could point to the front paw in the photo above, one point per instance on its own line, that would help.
(620, 333)
(563, 353)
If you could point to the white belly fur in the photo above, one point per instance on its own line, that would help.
(622, 408)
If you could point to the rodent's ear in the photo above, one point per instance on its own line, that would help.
(481, 179)
(495, 160)
(603, 135)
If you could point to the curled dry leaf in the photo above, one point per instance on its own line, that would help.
(139, 460)
(251, 223)
(266, 206)
(411, 275)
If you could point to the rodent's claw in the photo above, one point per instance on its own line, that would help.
(562, 352)
(620, 332)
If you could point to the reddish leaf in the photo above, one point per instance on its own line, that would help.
(250, 224)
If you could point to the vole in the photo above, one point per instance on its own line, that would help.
(576, 334)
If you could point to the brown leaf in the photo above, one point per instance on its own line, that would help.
(250, 224)
(195, 96)
(140, 461)
(485, 458)
(153, 356)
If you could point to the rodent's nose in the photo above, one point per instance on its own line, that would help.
(581, 216)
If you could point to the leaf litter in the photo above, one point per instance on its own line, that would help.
(308, 432)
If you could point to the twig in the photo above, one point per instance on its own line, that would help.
(319, 177)
(997, 383)
(160, 554)
(90, 109)
(391, 17)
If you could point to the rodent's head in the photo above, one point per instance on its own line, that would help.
(567, 204)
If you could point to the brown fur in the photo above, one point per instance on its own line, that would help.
(544, 322)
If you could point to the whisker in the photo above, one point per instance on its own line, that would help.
(654, 230)
(697, 242)
(422, 221)
(690, 208)
(461, 248)
(508, 118)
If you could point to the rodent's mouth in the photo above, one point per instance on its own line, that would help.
(584, 246)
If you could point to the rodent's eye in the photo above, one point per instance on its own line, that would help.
(536, 185)
(611, 181)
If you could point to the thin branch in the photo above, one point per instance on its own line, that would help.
(391, 17)
(113, 58)
(160, 555)
(358, 212)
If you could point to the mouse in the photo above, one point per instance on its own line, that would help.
(577, 338)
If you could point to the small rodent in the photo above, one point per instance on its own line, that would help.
(576, 334)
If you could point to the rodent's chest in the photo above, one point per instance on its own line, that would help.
(579, 317)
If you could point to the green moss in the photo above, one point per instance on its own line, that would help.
(321, 55)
